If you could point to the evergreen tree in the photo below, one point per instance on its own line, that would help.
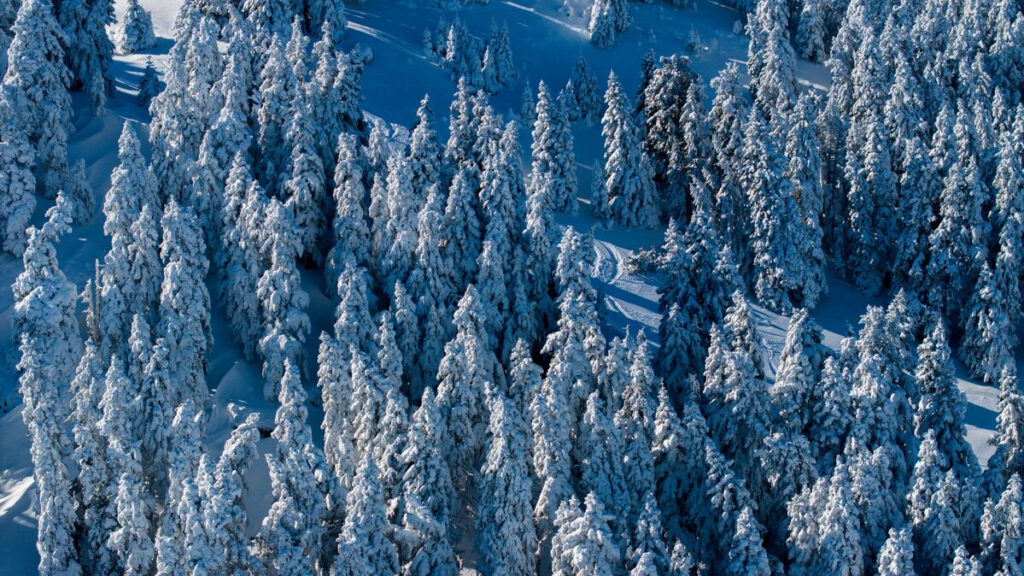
(583, 544)
(242, 267)
(897, 556)
(588, 95)
(135, 31)
(185, 302)
(507, 540)
(35, 88)
(290, 540)
(305, 192)
(364, 546)
(149, 85)
(224, 517)
(989, 338)
(283, 301)
(47, 336)
(351, 233)
(630, 189)
(426, 496)
(554, 163)
(747, 555)
(17, 180)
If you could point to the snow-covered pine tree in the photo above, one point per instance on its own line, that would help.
(224, 517)
(241, 267)
(632, 196)
(462, 226)
(598, 453)
(467, 367)
(942, 406)
(775, 246)
(584, 544)
(135, 31)
(426, 496)
(282, 299)
(588, 95)
(554, 163)
(35, 87)
(602, 24)
(149, 85)
(811, 33)
(17, 180)
(47, 336)
(747, 555)
(88, 49)
(364, 546)
(185, 302)
(989, 338)
(276, 88)
(306, 494)
(505, 530)
(131, 541)
(400, 232)
(897, 555)
(305, 191)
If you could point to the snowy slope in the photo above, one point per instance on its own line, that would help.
(545, 45)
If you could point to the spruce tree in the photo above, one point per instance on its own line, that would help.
(630, 190)
(135, 31)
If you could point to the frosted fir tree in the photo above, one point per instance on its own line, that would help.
(598, 452)
(426, 496)
(989, 338)
(954, 244)
(648, 553)
(157, 398)
(663, 101)
(551, 424)
(351, 234)
(774, 245)
(424, 152)
(305, 493)
(602, 24)
(390, 430)
(90, 454)
(80, 194)
(588, 95)
(506, 537)
(897, 555)
(241, 268)
(1007, 461)
(468, 365)
(964, 564)
(35, 87)
(305, 191)
(498, 69)
(462, 226)
(130, 541)
(431, 282)
(804, 171)
(180, 523)
(149, 85)
(135, 31)
(635, 422)
(733, 382)
(584, 544)
(941, 407)
(184, 301)
(48, 340)
(747, 555)
(1001, 542)
(631, 193)
(678, 456)
(353, 323)
(554, 163)
(332, 14)
(400, 232)
(919, 175)
(283, 301)
(276, 88)
(17, 181)
(811, 32)
(224, 517)
(364, 546)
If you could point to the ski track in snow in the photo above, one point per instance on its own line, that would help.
(393, 84)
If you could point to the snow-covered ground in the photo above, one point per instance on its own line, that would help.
(545, 44)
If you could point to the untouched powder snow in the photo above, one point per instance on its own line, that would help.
(545, 45)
